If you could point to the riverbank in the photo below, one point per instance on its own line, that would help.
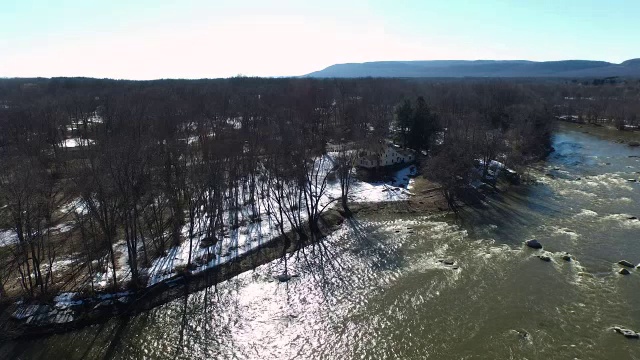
(19, 320)
(67, 312)
(609, 132)
(421, 197)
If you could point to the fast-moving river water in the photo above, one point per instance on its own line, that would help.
(376, 290)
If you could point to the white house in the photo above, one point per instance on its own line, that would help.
(385, 154)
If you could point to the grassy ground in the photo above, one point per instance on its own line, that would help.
(427, 198)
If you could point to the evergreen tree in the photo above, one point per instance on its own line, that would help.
(404, 118)
(424, 125)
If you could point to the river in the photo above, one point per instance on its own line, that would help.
(376, 289)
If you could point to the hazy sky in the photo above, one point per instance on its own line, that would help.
(144, 39)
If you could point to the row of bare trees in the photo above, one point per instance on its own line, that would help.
(135, 169)
(143, 167)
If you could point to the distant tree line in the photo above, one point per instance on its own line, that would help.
(153, 164)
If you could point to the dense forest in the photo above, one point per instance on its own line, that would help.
(102, 176)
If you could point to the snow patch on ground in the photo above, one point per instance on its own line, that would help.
(8, 237)
(377, 192)
(76, 206)
(25, 311)
(62, 228)
(252, 232)
(66, 300)
(75, 142)
(361, 191)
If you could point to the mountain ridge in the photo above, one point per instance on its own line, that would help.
(481, 68)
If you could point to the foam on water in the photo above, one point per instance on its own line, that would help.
(585, 213)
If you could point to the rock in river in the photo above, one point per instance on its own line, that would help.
(448, 262)
(626, 263)
(533, 243)
(624, 272)
(544, 258)
(629, 334)
(566, 257)
(523, 334)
